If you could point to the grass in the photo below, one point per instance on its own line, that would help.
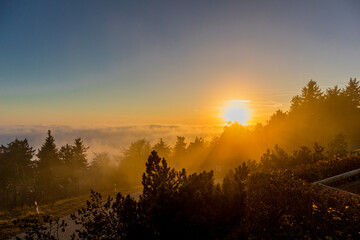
(59, 208)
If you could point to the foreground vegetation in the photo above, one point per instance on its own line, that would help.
(271, 197)
(51, 173)
(247, 205)
(56, 209)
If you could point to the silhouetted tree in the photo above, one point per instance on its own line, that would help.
(179, 151)
(252, 165)
(132, 165)
(158, 178)
(79, 158)
(119, 218)
(48, 156)
(102, 172)
(16, 172)
(196, 153)
(318, 152)
(302, 156)
(160, 188)
(199, 208)
(41, 227)
(333, 93)
(101, 160)
(198, 143)
(311, 92)
(353, 92)
(278, 117)
(66, 154)
(261, 205)
(162, 149)
(295, 104)
(279, 206)
(48, 165)
(66, 170)
(275, 159)
(234, 197)
(338, 146)
(79, 162)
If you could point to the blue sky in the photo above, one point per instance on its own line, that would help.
(122, 62)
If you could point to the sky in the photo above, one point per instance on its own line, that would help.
(112, 63)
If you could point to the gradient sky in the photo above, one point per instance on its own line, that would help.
(91, 63)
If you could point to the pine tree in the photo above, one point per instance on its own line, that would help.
(66, 154)
(338, 146)
(79, 161)
(16, 172)
(353, 92)
(48, 176)
(48, 155)
(179, 150)
(311, 92)
(162, 149)
(132, 165)
(197, 145)
(79, 155)
(295, 104)
(18, 154)
(318, 152)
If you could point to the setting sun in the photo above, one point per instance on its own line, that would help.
(237, 111)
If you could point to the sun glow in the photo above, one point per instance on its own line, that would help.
(237, 111)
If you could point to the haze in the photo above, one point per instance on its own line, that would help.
(220, 119)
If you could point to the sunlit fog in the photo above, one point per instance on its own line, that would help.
(216, 120)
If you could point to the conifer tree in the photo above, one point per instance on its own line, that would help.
(48, 176)
(162, 149)
(66, 154)
(311, 92)
(79, 154)
(79, 161)
(16, 171)
(353, 92)
(179, 150)
(338, 146)
(48, 155)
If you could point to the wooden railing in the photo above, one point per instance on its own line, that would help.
(339, 177)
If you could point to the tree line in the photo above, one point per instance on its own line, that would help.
(53, 174)
(330, 119)
(315, 115)
(271, 197)
(248, 204)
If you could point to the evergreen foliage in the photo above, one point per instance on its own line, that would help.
(272, 198)
(247, 205)
(162, 149)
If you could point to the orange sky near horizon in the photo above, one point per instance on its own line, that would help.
(127, 62)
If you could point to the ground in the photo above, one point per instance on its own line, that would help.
(59, 208)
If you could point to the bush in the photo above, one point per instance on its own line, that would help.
(248, 205)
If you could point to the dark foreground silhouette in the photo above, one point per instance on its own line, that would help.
(248, 204)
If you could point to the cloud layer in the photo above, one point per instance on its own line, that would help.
(108, 139)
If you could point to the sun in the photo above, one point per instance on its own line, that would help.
(237, 111)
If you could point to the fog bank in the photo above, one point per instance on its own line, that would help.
(113, 140)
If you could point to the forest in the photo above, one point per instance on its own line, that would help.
(251, 182)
